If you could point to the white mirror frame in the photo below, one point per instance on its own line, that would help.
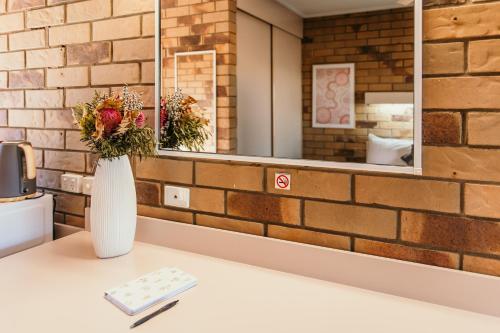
(416, 169)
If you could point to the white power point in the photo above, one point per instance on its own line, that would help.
(71, 182)
(87, 183)
(177, 196)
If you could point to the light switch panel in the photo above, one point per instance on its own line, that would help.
(177, 196)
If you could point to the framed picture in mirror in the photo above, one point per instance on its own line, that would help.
(195, 74)
(333, 96)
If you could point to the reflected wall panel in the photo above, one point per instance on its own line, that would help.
(254, 86)
(287, 94)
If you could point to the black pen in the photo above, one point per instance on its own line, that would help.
(154, 314)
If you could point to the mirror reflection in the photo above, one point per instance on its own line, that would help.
(300, 79)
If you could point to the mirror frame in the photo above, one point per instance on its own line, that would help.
(416, 169)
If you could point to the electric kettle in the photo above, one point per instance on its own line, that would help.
(17, 171)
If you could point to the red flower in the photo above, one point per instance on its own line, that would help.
(140, 120)
(163, 113)
(110, 119)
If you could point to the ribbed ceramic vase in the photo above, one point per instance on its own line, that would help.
(113, 210)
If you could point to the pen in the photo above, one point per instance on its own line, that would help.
(154, 314)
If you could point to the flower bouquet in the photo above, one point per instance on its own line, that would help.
(181, 126)
(113, 126)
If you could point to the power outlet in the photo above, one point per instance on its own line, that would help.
(177, 196)
(71, 183)
(87, 184)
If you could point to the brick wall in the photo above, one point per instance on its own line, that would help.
(196, 25)
(449, 217)
(54, 54)
(381, 45)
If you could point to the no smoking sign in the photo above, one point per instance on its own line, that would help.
(282, 181)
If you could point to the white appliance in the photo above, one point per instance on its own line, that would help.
(25, 224)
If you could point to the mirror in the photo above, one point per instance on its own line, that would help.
(290, 79)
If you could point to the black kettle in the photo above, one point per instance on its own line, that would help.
(17, 171)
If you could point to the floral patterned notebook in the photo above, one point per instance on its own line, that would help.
(137, 295)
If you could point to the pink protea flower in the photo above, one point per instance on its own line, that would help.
(140, 121)
(110, 118)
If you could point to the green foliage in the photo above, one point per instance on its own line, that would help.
(138, 142)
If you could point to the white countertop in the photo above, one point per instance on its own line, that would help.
(59, 287)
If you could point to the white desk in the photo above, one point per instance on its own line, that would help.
(58, 287)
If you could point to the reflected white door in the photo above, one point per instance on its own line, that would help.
(254, 91)
(287, 90)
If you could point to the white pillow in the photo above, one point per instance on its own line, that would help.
(387, 151)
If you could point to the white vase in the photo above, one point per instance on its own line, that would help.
(113, 210)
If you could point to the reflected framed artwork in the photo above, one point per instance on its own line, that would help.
(333, 96)
(195, 76)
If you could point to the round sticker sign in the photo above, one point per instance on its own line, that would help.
(282, 181)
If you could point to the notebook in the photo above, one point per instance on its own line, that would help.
(137, 295)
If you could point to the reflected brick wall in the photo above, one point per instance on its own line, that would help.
(380, 44)
(200, 26)
(55, 54)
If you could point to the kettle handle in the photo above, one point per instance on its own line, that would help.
(30, 160)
